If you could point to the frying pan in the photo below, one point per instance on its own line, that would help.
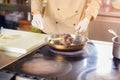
(81, 43)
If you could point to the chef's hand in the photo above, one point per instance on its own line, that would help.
(37, 21)
(82, 25)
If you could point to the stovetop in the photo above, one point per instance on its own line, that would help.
(63, 66)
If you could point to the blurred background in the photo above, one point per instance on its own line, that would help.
(15, 14)
(12, 11)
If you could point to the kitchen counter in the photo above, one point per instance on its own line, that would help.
(7, 58)
(23, 43)
(99, 62)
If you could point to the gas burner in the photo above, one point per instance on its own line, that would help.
(40, 66)
(92, 74)
(77, 53)
(47, 51)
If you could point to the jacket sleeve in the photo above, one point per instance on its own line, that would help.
(93, 8)
(36, 6)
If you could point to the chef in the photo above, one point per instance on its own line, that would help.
(64, 16)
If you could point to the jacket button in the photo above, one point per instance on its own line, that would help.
(58, 9)
(56, 22)
(76, 11)
(74, 24)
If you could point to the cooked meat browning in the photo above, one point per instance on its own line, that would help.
(65, 40)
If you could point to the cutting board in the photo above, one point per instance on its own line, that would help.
(20, 41)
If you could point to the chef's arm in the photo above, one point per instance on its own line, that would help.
(36, 9)
(36, 6)
(92, 9)
(90, 14)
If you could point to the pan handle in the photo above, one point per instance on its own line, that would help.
(112, 32)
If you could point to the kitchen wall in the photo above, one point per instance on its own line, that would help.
(14, 10)
(108, 17)
(98, 29)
